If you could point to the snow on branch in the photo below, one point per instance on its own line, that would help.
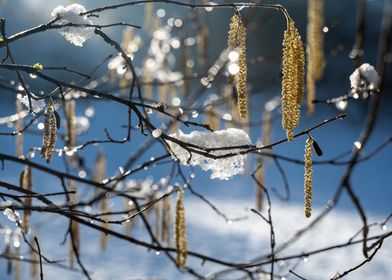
(365, 74)
(222, 168)
(71, 15)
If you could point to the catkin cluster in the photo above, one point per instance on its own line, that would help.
(50, 133)
(315, 50)
(180, 231)
(308, 177)
(292, 80)
(237, 41)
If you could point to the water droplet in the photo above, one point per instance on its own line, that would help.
(341, 105)
(82, 174)
(305, 259)
(358, 145)
(40, 126)
(161, 13)
(233, 56)
(157, 253)
(193, 175)
(384, 227)
(156, 133)
(33, 76)
(89, 112)
(176, 101)
(229, 222)
(233, 68)
(195, 114)
(227, 117)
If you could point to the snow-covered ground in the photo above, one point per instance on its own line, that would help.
(238, 241)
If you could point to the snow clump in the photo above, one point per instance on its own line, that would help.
(76, 35)
(222, 168)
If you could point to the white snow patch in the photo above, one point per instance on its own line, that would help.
(70, 14)
(222, 168)
(366, 73)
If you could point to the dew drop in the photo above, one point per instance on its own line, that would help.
(156, 133)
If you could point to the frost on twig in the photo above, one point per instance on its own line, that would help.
(222, 168)
(76, 35)
(364, 75)
(37, 105)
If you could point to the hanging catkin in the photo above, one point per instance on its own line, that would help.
(293, 79)
(17, 263)
(166, 220)
(74, 226)
(128, 225)
(26, 183)
(19, 128)
(149, 17)
(157, 219)
(315, 50)
(237, 41)
(34, 269)
(308, 177)
(259, 190)
(74, 241)
(50, 133)
(212, 118)
(70, 115)
(104, 237)
(180, 231)
(267, 128)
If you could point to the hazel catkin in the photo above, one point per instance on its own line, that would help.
(292, 80)
(308, 177)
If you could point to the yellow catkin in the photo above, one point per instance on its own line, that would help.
(71, 130)
(129, 224)
(26, 183)
(74, 227)
(100, 168)
(157, 219)
(149, 17)
(242, 82)
(17, 263)
(308, 177)
(50, 133)
(19, 128)
(34, 269)
(147, 82)
(163, 92)
(70, 115)
(180, 231)
(202, 44)
(212, 118)
(104, 237)
(267, 128)
(292, 80)
(166, 220)
(259, 191)
(237, 41)
(315, 50)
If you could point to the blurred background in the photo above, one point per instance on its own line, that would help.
(208, 233)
